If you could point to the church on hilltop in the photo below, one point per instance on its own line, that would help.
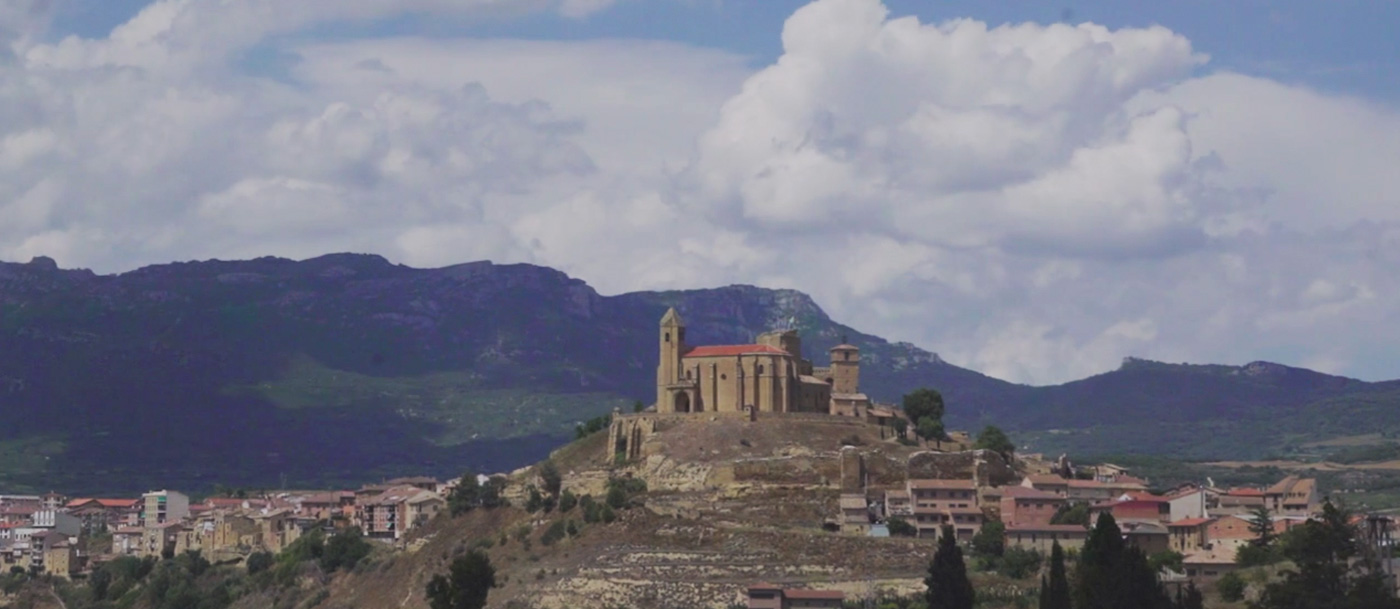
(769, 375)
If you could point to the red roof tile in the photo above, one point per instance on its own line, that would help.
(728, 350)
(814, 594)
(940, 484)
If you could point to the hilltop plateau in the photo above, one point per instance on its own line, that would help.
(344, 368)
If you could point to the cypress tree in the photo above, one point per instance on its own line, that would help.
(1112, 575)
(1054, 591)
(948, 586)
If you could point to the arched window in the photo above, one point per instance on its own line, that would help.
(760, 368)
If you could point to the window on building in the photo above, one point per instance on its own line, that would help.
(667, 337)
(724, 377)
(760, 368)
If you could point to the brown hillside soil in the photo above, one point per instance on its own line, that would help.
(730, 503)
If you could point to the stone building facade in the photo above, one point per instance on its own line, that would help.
(769, 375)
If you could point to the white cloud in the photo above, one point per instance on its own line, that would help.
(1033, 201)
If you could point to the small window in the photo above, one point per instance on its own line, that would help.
(724, 377)
(668, 337)
(760, 368)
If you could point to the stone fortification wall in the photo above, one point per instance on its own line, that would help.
(986, 467)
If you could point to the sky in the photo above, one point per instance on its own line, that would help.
(1033, 190)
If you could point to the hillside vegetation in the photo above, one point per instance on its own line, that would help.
(344, 368)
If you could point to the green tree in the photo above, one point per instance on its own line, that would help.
(490, 494)
(550, 479)
(1323, 550)
(1231, 587)
(638, 406)
(947, 583)
(258, 562)
(900, 425)
(617, 497)
(567, 501)
(465, 496)
(990, 540)
(344, 550)
(1261, 523)
(1019, 563)
(900, 527)
(930, 428)
(534, 501)
(1113, 575)
(1190, 598)
(922, 403)
(1072, 513)
(469, 581)
(1166, 559)
(1054, 589)
(994, 439)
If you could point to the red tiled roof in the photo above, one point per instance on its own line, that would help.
(814, 594)
(1046, 479)
(1048, 528)
(1190, 522)
(725, 350)
(1245, 492)
(1022, 492)
(955, 484)
(118, 503)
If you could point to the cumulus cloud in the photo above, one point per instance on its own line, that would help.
(1033, 201)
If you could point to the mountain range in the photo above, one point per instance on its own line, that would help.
(346, 367)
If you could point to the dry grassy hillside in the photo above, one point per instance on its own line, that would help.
(729, 503)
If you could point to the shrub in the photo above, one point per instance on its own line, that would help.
(1231, 587)
(606, 514)
(344, 550)
(258, 562)
(567, 501)
(900, 527)
(1019, 563)
(554, 533)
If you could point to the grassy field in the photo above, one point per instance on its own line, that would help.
(26, 459)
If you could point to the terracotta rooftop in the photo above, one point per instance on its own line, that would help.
(1190, 522)
(942, 484)
(1047, 528)
(804, 594)
(1046, 479)
(1022, 492)
(730, 350)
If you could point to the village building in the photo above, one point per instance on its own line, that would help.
(160, 507)
(1021, 505)
(1042, 537)
(1135, 507)
(772, 596)
(950, 502)
(1293, 496)
(397, 510)
(855, 514)
(1187, 503)
(100, 515)
(1190, 534)
(1208, 564)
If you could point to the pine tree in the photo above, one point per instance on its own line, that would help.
(1113, 575)
(948, 586)
(1054, 591)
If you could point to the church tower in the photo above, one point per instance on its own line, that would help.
(845, 368)
(668, 368)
